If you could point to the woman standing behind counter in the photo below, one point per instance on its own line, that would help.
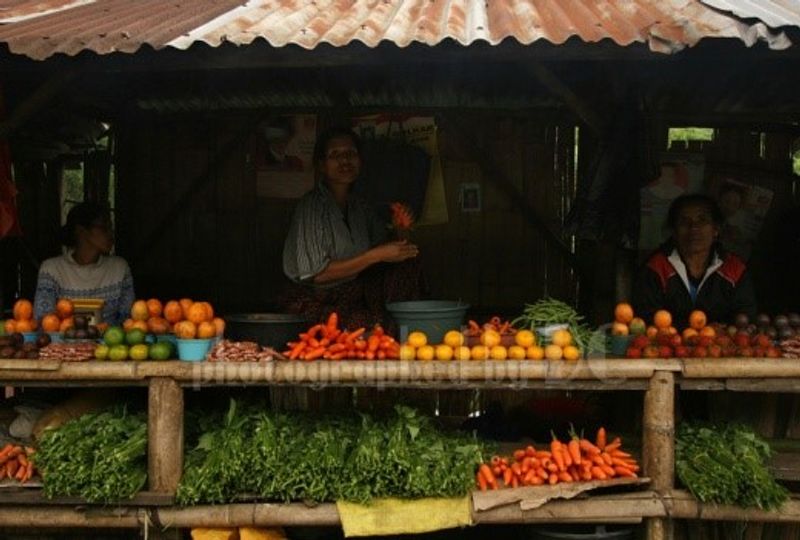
(336, 252)
(86, 270)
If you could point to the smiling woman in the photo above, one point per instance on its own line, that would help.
(691, 271)
(336, 252)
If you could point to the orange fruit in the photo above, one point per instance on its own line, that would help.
(127, 324)
(517, 352)
(10, 326)
(662, 319)
(571, 352)
(209, 310)
(534, 352)
(553, 352)
(708, 331)
(51, 322)
(479, 352)
(185, 303)
(623, 313)
(65, 324)
(206, 330)
(64, 308)
(157, 325)
(23, 311)
(462, 353)
(651, 332)
(407, 352)
(186, 330)
(560, 338)
(219, 324)
(490, 338)
(24, 325)
(697, 319)
(154, 307)
(426, 352)
(498, 352)
(141, 325)
(139, 311)
(173, 311)
(688, 333)
(619, 329)
(197, 313)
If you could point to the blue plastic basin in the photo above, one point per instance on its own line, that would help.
(434, 317)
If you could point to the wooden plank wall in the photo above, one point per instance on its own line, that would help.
(226, 244)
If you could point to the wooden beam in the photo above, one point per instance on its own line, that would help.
(165, 435)
(582, 109)
(658, 444)
(38, 100)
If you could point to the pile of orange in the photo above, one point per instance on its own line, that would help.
(23, 320)
(185, 318)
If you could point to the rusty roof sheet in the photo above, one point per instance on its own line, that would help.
(42, 28)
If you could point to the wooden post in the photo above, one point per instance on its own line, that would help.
(165, 435)
(658, 445)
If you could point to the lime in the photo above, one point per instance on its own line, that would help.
(135, 336)
(160, 351)
(114, 336)
(139, 352)
(101, 352)
(118, 352)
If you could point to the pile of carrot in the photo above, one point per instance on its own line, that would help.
(329, 342)
(578, 460)
(15, 463)
(500, 326)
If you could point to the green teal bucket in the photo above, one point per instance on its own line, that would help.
(434, 317)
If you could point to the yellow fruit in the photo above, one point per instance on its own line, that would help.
(417, 339)
(515, 352)
(426, 352)
(525, 338)
(407, 352)
(562, 338)
(479, 352)
(553, 352)
(454, 338)
(498, 352)
(462, 353)
(490, 338)
(444, 352)
(571, 352)
(534, 353)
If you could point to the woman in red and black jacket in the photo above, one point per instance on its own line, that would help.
(691, 271)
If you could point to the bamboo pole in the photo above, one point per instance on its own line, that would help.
(658, 444)
(165, 435)
(683, 505)
(739, 368)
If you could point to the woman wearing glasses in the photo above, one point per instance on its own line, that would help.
(336, 253)
(87, 269)
(691, 271)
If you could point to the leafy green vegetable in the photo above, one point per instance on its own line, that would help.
(293, 457)
(101, 457)
(726, 465)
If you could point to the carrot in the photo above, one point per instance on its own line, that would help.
(542, 454)
(507, 475)
(537, 481)
(297, 349)
(618, 461)
(574, 448)
(514, 481)
(606, 458)
(11, 468)
(567, 456)
(21, 472)
(378, 331)
(361, 345)
(28, 473)
(6, 450)
(598, 460)
(333, 322)
(314, 330)
(565, 476)
(519, 455)
(553, 479)
(552, 467)
(619, 454)
(372, 343)
(495, 461)
(586, 474)
(488, 476)
(600, 440)
(339, 355)
(528, 479)
(598, 473)
(481, 481)
(610, 472)
(314, 353)
(555, 450)
(541, 473)
(355, 335)
(624, 471)
(23, 461)
(497, 471)
(588, 447)
(516, 468)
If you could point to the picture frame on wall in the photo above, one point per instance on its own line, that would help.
(469, 197)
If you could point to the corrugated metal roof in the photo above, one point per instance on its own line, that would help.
(41, 28)
(775, 13)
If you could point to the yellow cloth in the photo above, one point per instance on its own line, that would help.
(399, 516)
(215, 534)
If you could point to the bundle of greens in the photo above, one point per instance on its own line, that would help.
(292, 457)
(726, 465)
(101, 457)
(549, 311)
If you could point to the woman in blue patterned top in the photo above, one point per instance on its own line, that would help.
(86, 270)
(336, 252)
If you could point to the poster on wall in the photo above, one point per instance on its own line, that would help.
(679, 176)
(284, 156)
(744, 207)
